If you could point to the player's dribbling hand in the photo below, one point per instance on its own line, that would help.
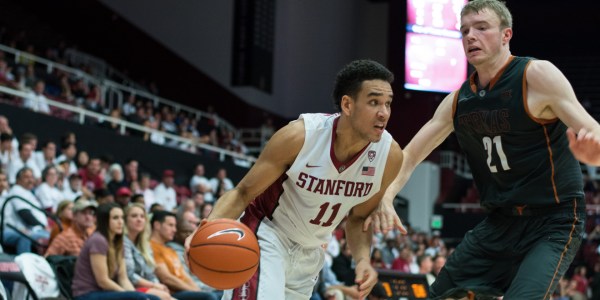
(366, 278)
(384, 219)
(188, 241)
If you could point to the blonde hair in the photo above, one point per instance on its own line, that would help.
(498, 7)
(141, 241)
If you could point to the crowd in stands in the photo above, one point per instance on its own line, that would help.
(21, 73)
(127, 229)
(104, 213)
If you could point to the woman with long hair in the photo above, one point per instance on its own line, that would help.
(139, 259)
(100, 271)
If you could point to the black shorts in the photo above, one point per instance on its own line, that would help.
(520, 254)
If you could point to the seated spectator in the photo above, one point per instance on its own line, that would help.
(23, 159)
(145, 182)
(91, 175)
(438, 263)
(73, 189)
(7, 151)
(82, 159)
(156, 207)
(425, 263)
(169, 268)
(187, 212)
(184, 229)
(123, 196)
(205, 210)
(24, 217)
(47, 156)
(117, 179)
(164, 192)
(36, 100)
(221, 184)
(103, 196)
(71, 240)
(199, 183)
(68, 153)
(402, 263)
(138, 254)
(64, 213)
(100, 271)
(377, 260)
(138, 198)
(47, 192)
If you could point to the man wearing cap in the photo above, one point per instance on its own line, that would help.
(70, 241)
(164, 193)
(122, 196)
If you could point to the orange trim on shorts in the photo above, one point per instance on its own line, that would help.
(562, 255)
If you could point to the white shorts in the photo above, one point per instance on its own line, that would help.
(287, 270)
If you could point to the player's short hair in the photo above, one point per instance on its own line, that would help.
(498, 7)
(350, 78)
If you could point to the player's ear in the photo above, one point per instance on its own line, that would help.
(346, 104)
(506, 35)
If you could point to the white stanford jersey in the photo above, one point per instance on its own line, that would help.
(317, 191)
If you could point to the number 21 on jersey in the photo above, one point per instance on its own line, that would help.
(495, 143)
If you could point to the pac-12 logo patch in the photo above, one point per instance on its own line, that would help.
(371, 154)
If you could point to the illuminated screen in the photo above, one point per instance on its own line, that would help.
(434, 63)
(402, 286)
(434, 57)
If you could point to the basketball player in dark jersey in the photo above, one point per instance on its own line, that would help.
(510, 118)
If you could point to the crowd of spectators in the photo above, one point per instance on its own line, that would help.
(54, 201)
(40, 84)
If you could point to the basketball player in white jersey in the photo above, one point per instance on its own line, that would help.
(312, 173)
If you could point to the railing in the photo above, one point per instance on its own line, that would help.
(82, 114)
(114, 92)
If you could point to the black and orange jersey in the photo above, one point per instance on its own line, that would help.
(515, 158)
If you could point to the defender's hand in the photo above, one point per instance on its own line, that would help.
(384, 219)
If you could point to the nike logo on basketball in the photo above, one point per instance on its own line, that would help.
(237, 231)
(311, 166)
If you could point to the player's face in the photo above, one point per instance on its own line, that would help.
(371, 110)
(482, 36)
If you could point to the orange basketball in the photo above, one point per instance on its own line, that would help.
(224, 254)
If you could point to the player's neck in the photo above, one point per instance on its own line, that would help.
(347, 143)
(488, 70)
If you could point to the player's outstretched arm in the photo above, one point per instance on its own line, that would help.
(585, 146)
(279, 153)
(550, 95)
(431, 135)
